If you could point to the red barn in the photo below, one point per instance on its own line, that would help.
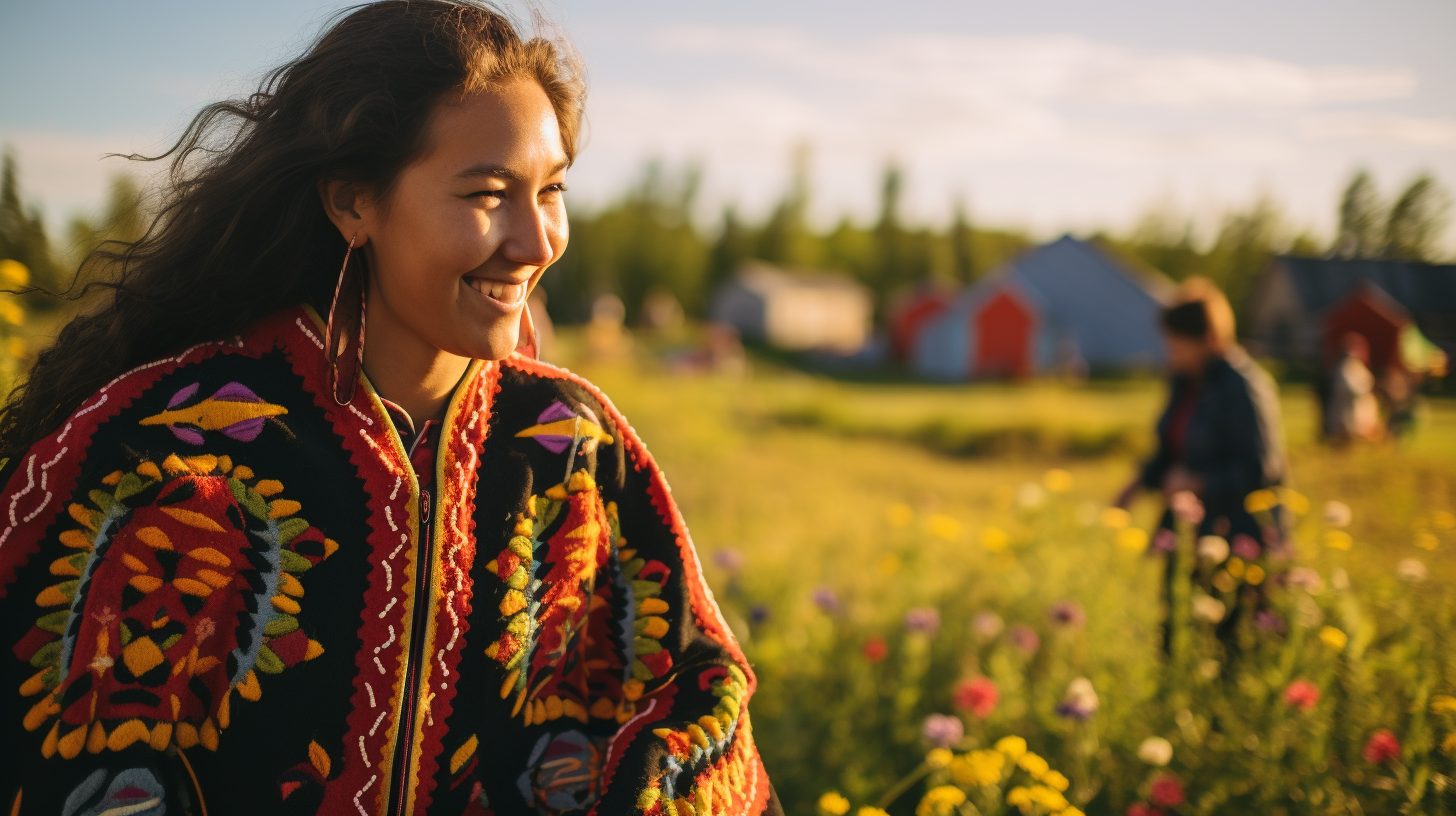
(1005, 331)
(1371, 313)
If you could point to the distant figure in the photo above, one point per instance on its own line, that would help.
(1352, 412)
(1219, 440)
(1399, 389)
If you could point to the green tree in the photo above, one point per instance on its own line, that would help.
(1416, 220)
(1358, 233)
(22, 231)
(963, 261)
(785, 237)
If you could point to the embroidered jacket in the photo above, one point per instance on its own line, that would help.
(222, 593)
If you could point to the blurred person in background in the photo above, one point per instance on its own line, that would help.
(1352, 411)
(1218, 441)
(258, 560)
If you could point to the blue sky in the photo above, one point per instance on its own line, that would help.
(1044, 115)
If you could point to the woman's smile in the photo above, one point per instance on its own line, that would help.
(503, 295)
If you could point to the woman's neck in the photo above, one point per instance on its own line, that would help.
(414, 376)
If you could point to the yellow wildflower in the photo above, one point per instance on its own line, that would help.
(1047, 798)
(1132, 538)
(1033, 764)
(1012, 746)
(938, 758)
(943, 527)
(833, 804)
(899, 514)
(10, 312)
(871, 811)
(1333, 638)
(1443, 520)
(1260, 501)
(978, 768)
(1116, 518)
(1223, 582)
(1019, 797)
(1294, 501)
(1057, 480)
(1443, 704)
(1055, 780)
(1254, 575)
(1448, 745)
(1070, 811)
(1426, 540)
(13, 274)
(1235, 567)
(994, 539)
(942, 800)
(1338, 539)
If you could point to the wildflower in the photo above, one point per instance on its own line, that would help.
(827, 600)
(943, 730)
(1443, 520)
(1411, 570)
(899, 514)
(994, 539)
(729, 560)
(977, 695)
(1165, 541)
(1302, 694)
(1260, 501)
(1267, 620)
(1057, 480)
(943, 527)
(1209, 668)
(1208, 608)
(1132, 539)
(1080, 702)
(1296, 502)
(981, 767)
(1143, 809)
(1030, 496)
(1213, 549)
(1338, 540)
(987, 625)
(922, 619)
(1448, 745)
(1426, 540)
(1012, 746)
(1254, 575)
(868, 810)
(833, 804)
(938, 758)
(1046, 797)
(1155, 751)
(875, 649)
(1024, 638)
(1333, 638)
(1115, 518)
(1443, 704)
(1246, 547)
(1019, 797)
(1166, 791)
(1187, 507)
(1034, 764)
(13, 274)
(1223, 581)
(1305, 578)
(1337, 514)
(10, 312)
(941, 800)
(1068, 613)
(1382, 747)
(1056, 781)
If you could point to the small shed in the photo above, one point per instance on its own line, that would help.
(1371, 313)
(1064, 306)
(909, 316)
(793, 309)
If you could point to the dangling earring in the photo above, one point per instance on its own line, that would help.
(528, 344)
(345, 354)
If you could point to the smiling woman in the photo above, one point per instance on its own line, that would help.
(297, 522)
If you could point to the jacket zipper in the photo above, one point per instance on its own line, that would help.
(424, 567)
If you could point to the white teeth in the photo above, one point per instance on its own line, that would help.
(509, 293)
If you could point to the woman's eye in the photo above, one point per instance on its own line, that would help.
(495, 194)
(555, 189)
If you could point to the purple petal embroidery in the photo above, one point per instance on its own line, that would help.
(183, 395)
(245, 431)
(554, 443)
(186, 434)
(236, 392)
(555, 411)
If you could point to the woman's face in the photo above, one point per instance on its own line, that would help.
(469, 227)
(1187, 356)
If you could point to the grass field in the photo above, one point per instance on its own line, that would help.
(888, 552)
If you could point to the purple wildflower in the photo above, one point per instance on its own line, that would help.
(943, 730)
(922, 619)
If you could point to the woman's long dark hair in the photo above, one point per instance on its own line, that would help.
(241, 230)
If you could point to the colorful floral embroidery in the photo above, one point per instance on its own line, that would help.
(715, 754)
(233, 410)
(180, 587)
(559, 425)
(561, 772)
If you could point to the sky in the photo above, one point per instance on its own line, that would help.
(1046, 116)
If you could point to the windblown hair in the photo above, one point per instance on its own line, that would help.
(241, 230)
(1201, 311)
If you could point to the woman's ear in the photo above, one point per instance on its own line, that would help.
(348, 206)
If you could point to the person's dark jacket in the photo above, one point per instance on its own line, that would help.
(1233, 441)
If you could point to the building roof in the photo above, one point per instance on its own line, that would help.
(1426, 290)
(766, 278)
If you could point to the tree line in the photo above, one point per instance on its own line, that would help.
(647, 241)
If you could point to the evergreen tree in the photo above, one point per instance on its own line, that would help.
(1360, 219)
(1416, 221)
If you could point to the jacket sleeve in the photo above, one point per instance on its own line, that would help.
(685, 744)
(68, 653)
(1154, 469)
